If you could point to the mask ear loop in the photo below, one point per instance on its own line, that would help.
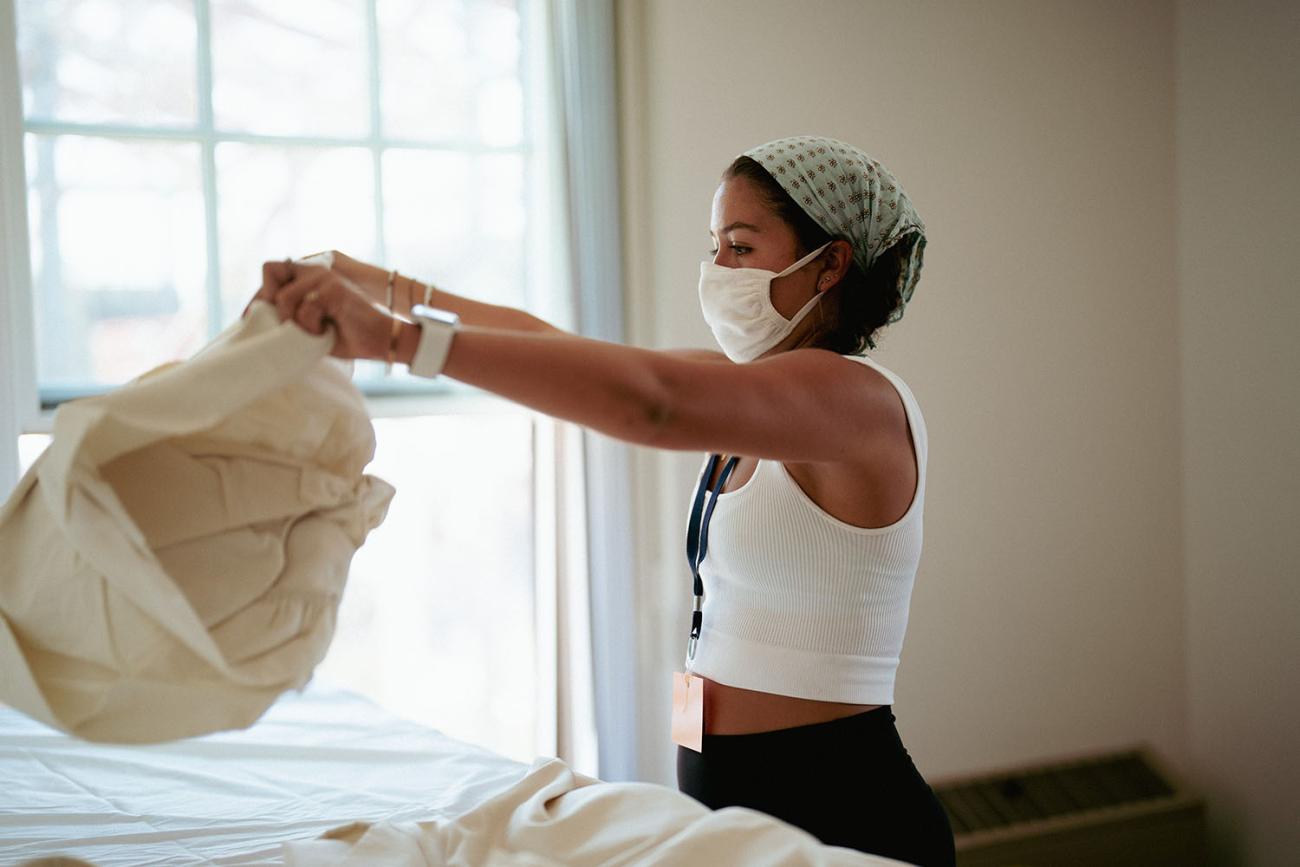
(804, 261)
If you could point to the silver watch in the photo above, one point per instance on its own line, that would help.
(437, 328)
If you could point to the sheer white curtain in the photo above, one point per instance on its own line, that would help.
(584, 39)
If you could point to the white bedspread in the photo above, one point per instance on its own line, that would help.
(556, 818)
(316, 760)
(388, 792)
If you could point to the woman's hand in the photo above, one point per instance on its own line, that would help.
(316, 297)
(371, 279)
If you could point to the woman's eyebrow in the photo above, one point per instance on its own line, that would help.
(738, 225)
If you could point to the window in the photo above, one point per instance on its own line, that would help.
(173, 145)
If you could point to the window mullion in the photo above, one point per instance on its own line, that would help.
(207, 141)
(196, 133)
(20, 409)
(376, 128)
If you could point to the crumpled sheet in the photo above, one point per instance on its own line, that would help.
(174, 560)
(555, 817)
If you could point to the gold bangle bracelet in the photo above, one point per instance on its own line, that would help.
(392, 340)
(397, 324)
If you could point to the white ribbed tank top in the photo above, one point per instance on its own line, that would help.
(800, 603)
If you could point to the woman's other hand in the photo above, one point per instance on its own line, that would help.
(316, 297)
(371, 279)
(274, 275)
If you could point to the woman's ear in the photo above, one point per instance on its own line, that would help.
(839, 256)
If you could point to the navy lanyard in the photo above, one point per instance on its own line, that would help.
(697, 540)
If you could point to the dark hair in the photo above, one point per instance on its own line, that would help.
(862, 302)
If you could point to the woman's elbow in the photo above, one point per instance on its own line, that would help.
(653, 427)
(657, 417)
(648, 405)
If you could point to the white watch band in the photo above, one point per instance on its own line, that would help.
(437, 328)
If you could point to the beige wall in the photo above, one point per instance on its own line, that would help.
(1036, 140)
(1112, 416)
(1239, 219)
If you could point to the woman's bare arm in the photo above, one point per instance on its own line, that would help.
(802, 405)
(406, 291)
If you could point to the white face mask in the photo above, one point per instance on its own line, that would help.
(737, 304)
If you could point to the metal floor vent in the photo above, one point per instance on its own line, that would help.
(1115, 809)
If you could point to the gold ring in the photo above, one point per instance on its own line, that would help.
(310, 297)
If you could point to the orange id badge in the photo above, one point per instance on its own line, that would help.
(688, 711)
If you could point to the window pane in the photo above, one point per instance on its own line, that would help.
(118, 256)
(101, 61)
(288, 201)
(450, 71)
(294, 67)
(30, 447)
(437, 619)
(458, 220)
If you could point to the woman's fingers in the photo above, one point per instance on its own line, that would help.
(311, 313)
(306, 278)
(317, 298)
(274, 275)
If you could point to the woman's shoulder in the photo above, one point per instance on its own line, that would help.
(884, 381)
(697, 354)
(896, 413)
(884, 376)
(854, 387)
(876, 487)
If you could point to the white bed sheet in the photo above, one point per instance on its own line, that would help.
(316, 760)
(328, 758)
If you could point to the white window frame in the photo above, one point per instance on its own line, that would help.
(20, 408)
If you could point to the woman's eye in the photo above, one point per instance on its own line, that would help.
(740, 250)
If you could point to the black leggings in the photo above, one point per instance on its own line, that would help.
(849, 782)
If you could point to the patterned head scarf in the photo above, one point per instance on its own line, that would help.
(852, 196)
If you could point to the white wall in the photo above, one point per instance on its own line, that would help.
(1104, 342)
(1036, 139)
(1239, 218)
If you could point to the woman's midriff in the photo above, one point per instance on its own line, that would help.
(730, 710)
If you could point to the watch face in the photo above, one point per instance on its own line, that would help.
(444, 316)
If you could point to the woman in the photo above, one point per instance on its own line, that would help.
(807, 538)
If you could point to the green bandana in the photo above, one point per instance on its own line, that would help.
(851, 196)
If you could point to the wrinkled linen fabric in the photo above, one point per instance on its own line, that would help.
(555, 817)
(174, 560)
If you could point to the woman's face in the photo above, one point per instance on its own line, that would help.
(747, 234)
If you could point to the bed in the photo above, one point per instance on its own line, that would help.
(328, 778)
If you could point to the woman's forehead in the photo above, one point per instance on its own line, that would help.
(739, 204)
